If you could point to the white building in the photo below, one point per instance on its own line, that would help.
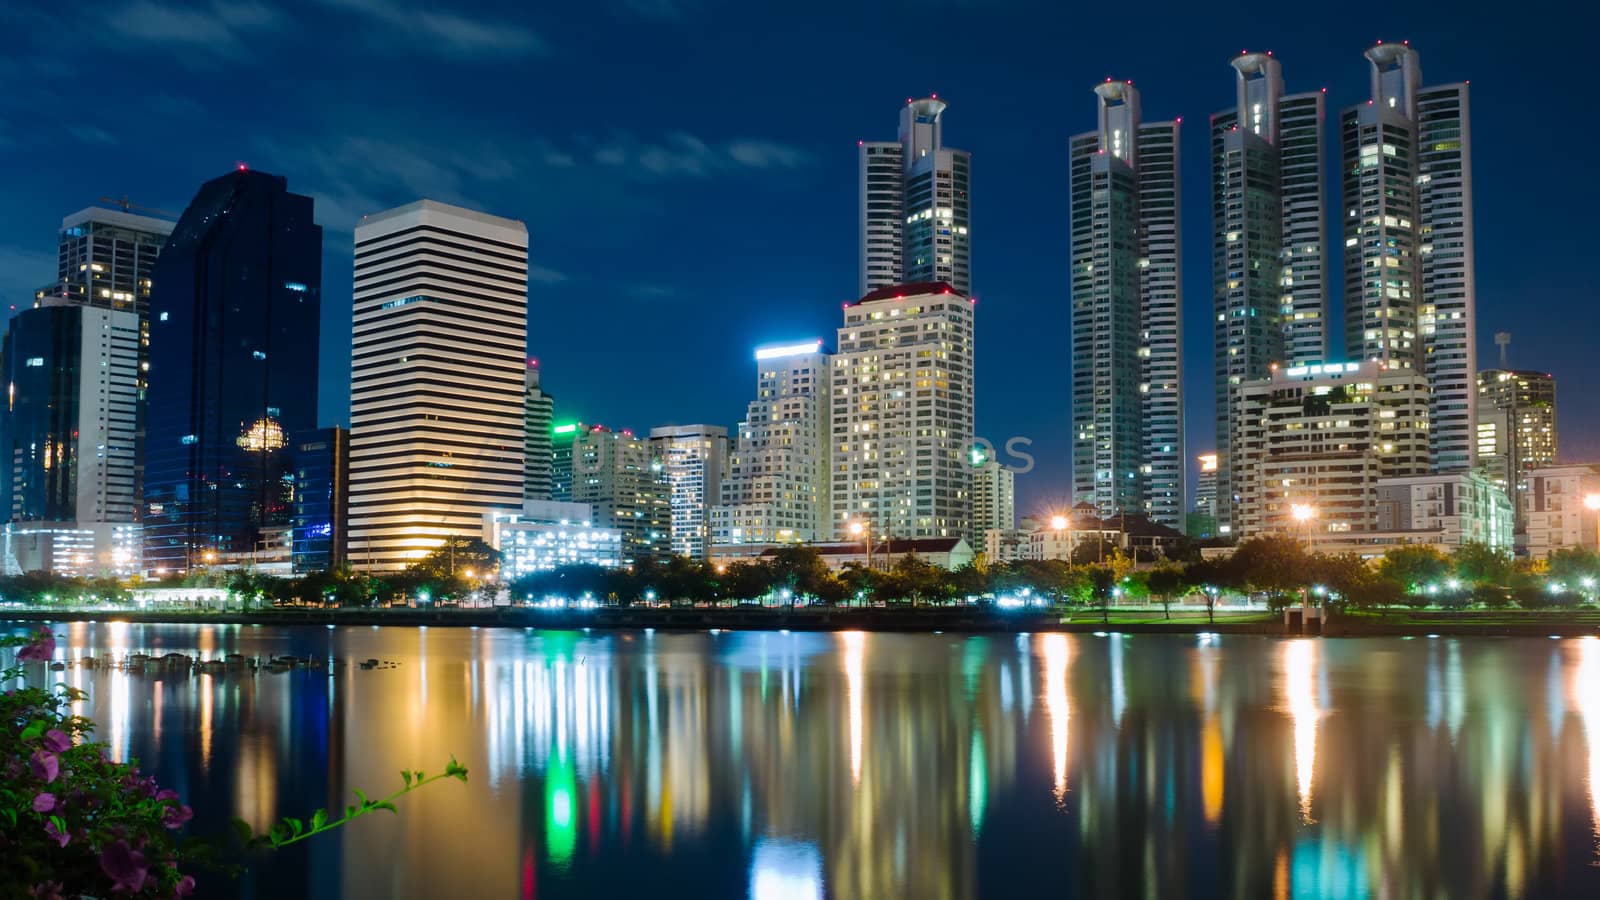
(437, 396)
(916, 207)
(994, 499)
(547, 535)
(1409, 288)
(902, 410)
(1458, 507)
(1562, 509)
(777, 484)
(1127, 340)
(693, 459)
(1322, 437)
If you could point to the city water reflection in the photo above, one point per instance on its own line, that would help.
(773, 765)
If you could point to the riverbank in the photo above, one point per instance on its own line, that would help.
(923, 619)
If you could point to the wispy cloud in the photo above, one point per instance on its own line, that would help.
(684, 155)
(444, 33)
(220, 27)
(544, 275)
(91, 134)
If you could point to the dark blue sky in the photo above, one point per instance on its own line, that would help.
(687, 168)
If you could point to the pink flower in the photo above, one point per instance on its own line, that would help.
(44, 765)
(125, 867)
(45, 803)
(60, 837)
(176, 816)
(166, 794)
(56, 741)
(184, 887)
(42, 648)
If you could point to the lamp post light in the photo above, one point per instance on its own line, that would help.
(864, 532)
(1304, 513)
(1058, 524)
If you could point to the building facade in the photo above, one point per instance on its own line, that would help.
(693, 460)
(1409, 287)
(438, 392)
(1516, 428)
(1562, 509)
(546, 535)
(106, 258)
(902, 411)
(562, 437)
(778, 481)
(916, 207)
(1126, 276)
(1459, 507)
(615, 474)
(235, 312)
(994, 499)
(319, 529)
(538, 438)
(68, 433)
(1322, 437)
(1269, 243)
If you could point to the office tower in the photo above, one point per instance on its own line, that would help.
(916, 207)
(234, 318)
(1202, 519)
(902, 410)
(1269, 244)
(538, 420)
(562, 438)
(778, 480)
(1322, 436)
(693, 459)
(1407, 214)
(67, 434)
(1516, 422)
(994, 500)
(616, 475)
(1127, 402)
(321, 500)
(106, 258)
(438, 391)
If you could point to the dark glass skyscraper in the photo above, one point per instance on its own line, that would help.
(234, 320)
(321, 496)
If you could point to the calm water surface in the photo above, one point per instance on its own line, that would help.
(794, 766)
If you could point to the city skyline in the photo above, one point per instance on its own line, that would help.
(1013, 294)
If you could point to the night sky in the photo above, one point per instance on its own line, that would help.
(687, 168)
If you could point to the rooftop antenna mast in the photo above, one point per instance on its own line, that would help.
(1502, 339)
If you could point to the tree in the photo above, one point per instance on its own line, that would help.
(1208, 576)
(1575, 567)
(1274, 564)
(1102, 581)
(1477, 563)
(1414, 566)
(1164, 583)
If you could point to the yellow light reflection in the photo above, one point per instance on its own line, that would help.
(1057, 655)
(1586, 699)
(1299, 667)
(1211, 770)
(855, 643)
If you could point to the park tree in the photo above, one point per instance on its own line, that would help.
(1273, 563)
(1165, 583)
(1477, 563)
(1414, 566)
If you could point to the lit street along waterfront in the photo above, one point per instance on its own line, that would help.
(847, 765)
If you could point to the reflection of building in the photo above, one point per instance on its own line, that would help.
(1322, 436)
(693, 459)
(903, 413)
(68, 437)
(438, 393)
(777, 484)
(614, 473)
(234, 318)
(1562, 509)
(1516, 426)
(547, 535)
(321, 497)
(915, 209)
(537, 438)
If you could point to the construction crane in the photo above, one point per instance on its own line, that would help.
(127, 205)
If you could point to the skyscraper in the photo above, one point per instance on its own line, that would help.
(1516, 430)
(778, 480)
(234, 318)
(693, 459)
(1269, 246)
(539, 418)
(321, 500)
(615, 473)
(1407, 214)
(916, 209)
(903, 409)
(1127, 402)
(994, 499)
(438, 394)
(67, 435)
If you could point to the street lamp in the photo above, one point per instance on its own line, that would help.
(859, 530)
(1058, 524)
(1304, 513)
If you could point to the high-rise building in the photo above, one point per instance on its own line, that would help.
(1127, 402)
(777, 486)
(693, 460)
(1516, 429)
(916, 207)
(1202, 520)
(537, 442)
(902, 410)
(67, 433)
(106, 258)
(562, 438)
(994, 500)
(622, 483)
(1407, 212)
(1269, 243)
(234, 318)
(438, 394)
(321, 500)
(1321, 437)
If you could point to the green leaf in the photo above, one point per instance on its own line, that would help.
(362, 797)
(406, 777)
(384, 804)
(295, 825)
(33, 731)
(319, 819)
(243, 829)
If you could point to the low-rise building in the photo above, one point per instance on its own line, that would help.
(1447, 510)
(945, 553)
(1562, 509)
(547, 535)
